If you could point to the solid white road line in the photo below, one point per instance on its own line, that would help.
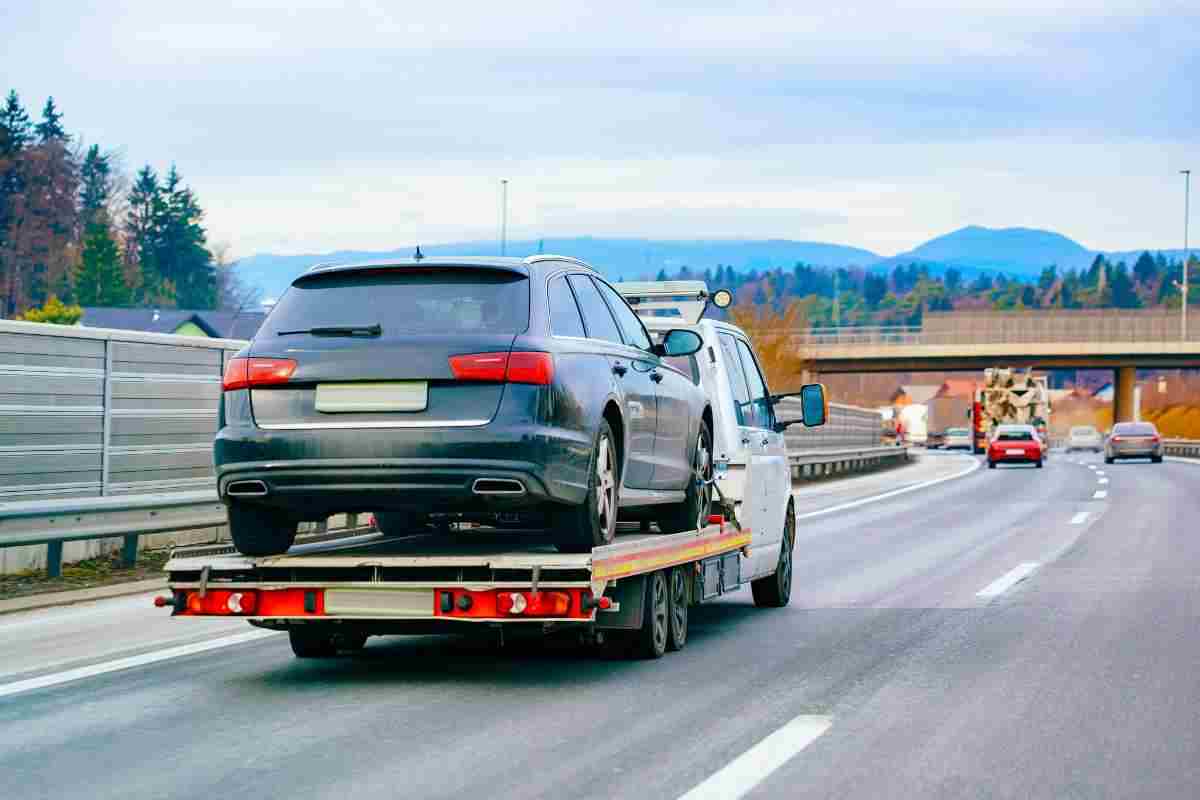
(1079, 518)
(1102, 480)
(1100, 494)
(749, 769)
(1008, 580)
(975, 464)
(153, 657)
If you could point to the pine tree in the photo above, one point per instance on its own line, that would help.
(1123, 294)
(1048, 277)
(953, 280)
(100, 280)
(1144, 269)
(16, 131)
(50, 129)
(142, 232)
(96, 184)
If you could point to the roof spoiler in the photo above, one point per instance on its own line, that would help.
(683, 300)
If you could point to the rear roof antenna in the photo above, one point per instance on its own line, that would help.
(417, 256)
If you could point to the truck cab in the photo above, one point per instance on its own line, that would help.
(751, 464)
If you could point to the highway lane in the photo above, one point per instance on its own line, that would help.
(1076, 680)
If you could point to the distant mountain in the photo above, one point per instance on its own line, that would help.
(1020, 252)
(628, 259)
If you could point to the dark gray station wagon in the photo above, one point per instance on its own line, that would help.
(460, 385)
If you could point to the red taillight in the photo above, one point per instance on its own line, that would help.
(220, 602)
(1116, 438)
(241, 373)
(1155, 439)
(535, 368)
(480, 367)
(533, 604)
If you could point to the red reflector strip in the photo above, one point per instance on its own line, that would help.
(513, 604)
(255, 602)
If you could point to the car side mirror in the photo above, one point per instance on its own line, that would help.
(679, 342)
(814, 406)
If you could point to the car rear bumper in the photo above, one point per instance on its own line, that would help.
(1004, 458)
(313, 474)
(1136, 452)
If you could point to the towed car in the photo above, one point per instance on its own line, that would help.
(1016, 444)
(454, 385)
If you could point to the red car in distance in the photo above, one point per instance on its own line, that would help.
(1016, 444)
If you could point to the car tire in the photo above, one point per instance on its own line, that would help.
(1109, 459)
(1156, 459)
(260, 531)
(991, 464)
(775, 590)
(593, 523)
(1038, 463)
(692, 513)
(393, 524)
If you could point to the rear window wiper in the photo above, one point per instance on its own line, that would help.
(338, 330)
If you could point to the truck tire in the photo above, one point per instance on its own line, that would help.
(311, 643)
(677, 581)
(260, 531)
(400, 523)
(775, 590)
(577, 529)
(650, 641)
(692, 513)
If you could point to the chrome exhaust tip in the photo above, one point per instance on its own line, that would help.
(493, 486)
(246, 489)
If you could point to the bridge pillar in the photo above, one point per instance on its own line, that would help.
(1123, 391)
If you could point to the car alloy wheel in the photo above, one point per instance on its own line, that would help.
(606, 484)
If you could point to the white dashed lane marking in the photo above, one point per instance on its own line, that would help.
(1007, 580)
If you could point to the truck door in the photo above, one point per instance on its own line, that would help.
(772, 470)
(766, 460)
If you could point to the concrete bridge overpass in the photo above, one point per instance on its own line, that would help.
(1123, 341)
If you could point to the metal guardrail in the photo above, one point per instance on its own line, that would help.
(1184, 448)
(833, 462)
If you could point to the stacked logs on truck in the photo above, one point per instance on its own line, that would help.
(1014, 397)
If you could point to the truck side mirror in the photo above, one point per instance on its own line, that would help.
(814, 406)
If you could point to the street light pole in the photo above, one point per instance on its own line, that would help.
(1187, 191)
(503, 216)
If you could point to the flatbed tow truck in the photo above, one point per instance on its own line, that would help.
(633, 594)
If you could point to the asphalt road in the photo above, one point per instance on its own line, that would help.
(1007, 633)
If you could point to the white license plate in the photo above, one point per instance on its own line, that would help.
(1012, 452)
(349, 398)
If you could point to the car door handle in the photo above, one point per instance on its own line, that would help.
(619, 370)
(656, 376)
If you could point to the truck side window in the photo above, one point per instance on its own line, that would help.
(759, 413)
(737, 378)
(564, 314)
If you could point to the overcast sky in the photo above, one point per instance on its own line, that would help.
(306, 126)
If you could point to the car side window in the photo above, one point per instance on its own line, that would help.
(596, 316)
(564, 313)
(737, 378)
(759, 413)
(631, 327)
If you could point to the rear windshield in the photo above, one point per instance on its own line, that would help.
(1135, 429)
(407, 301)
(1014, 435)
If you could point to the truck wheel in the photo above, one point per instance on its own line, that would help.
(679, 607)
(311, 643)
(650, 641)
(775, 590)
(594, 523)
(260, 531)
(692, 513)
(400, 523)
